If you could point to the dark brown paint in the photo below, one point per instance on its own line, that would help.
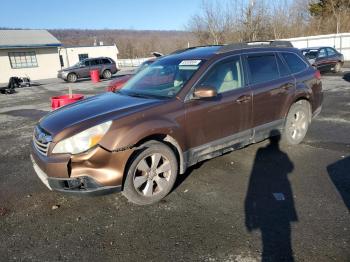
(188, 123)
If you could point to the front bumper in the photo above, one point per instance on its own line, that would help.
(62, 75)
(83, 185)
(95, 172)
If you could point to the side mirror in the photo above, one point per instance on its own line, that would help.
(205, 92)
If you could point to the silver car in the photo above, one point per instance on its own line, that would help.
(105, 65)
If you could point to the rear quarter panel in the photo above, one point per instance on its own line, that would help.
(309, 87)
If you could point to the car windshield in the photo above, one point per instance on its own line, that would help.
(164, 78)
(143, 66)
(310, 54)
(79, 64)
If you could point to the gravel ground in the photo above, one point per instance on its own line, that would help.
(209, 214)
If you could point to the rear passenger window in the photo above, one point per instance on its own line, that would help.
(94, 62)
(106, 61)
(262, 68)
(294, 62)
(331, 51)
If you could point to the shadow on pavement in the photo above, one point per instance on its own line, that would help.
(346, 76)
(181, 178)
(339, 172)
(269, 203)
(34, 114)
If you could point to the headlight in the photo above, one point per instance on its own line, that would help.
(83, 140)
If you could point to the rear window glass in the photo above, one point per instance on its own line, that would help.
(262, 68)
(284, 71)
(294, 62)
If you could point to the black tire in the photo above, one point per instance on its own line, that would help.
(107, 74)
(337, 67)
(147, 187)
(72, 78)
(297, 123)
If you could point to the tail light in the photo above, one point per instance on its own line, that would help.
(317, 74)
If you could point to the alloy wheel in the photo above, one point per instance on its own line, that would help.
(152, 175)
(298, 125)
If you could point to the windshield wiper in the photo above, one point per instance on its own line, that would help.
(141, 95)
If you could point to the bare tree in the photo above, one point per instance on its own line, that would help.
(212, 24)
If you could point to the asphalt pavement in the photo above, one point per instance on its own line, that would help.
(269, 201)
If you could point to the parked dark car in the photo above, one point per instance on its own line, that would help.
(324, 58)
(184, 108)
(105, 65)
(120, 81)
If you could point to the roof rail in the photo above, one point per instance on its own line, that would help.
(189, 48)
(257, 44)
(178, 51)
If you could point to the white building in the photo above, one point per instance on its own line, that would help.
(72, 55)
(31, 53)
(341, 42)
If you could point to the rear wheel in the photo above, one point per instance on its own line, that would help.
(72, 77)
(151, 174)
(337, 67)
(107, 74)
(297, 123)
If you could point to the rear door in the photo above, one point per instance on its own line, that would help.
(332, 57)
(322, 62)
(96, 64)
(273, 87)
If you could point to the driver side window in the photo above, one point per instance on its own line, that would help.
(224, 76)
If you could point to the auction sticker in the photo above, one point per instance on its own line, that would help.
(190, 62)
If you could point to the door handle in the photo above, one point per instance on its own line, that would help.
(243, 99)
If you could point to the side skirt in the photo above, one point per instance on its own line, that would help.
(233, 142)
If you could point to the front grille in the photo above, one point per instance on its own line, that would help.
(41, 140)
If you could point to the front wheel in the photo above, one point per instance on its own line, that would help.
(337, 67)
(72, 78)
(297, 123)
(151, 175)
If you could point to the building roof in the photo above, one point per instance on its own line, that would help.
(27, 38)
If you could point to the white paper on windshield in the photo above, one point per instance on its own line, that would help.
(190, 62)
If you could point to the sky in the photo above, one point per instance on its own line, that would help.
(98, 14)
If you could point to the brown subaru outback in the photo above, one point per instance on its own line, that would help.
(191, 105)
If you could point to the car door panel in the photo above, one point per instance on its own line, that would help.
(269, 96)
(96, 65)
(322, 62)
(219, 121)
(85, 71)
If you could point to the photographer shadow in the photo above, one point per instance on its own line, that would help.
(339, 172)
(269, 204)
